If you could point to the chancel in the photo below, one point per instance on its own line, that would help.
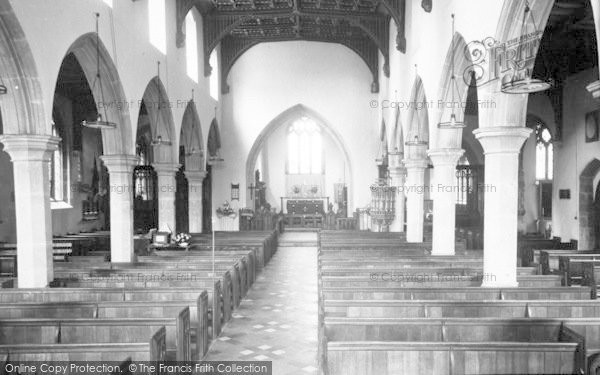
(334, 187)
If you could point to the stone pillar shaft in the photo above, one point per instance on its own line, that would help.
(501, 147)
(30, 155)
(444, 199)
(167, 187)
(120, 170)
(195, 180)
(414, 189)
(398, 177)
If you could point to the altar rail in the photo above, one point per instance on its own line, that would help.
(260, 221)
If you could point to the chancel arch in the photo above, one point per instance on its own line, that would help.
(272, 159)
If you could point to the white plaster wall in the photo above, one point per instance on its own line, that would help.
(273, 77)
(573, 155)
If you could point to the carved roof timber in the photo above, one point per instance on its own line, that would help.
(365, 23)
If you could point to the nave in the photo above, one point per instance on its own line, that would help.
(277, 320)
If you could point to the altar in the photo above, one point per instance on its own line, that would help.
(304, 212)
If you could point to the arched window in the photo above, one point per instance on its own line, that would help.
(157, 23)
(191, 46)
(544, 153)
(305, 147)
(56, 170)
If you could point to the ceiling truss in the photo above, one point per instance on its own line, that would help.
(361, 25)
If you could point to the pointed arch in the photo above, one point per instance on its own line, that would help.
(190, 137)
(161, 120)
(214, 139)
(22, 107)
(397, 139)
(283, 120)
(462, 72)
(418, 115)
(119, 140)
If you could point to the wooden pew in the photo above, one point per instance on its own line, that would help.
(8, 256)
(151, 278)
(153, 351)
(93, 331)
(191, 295)
(591, 274)
(443, 278)
(462, 309)
(178, 311)
(446, 358)
(463, 293)
(549, 259)
(570, 266)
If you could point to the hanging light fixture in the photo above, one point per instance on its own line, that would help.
(101, 122)
(159, 141)
(453, 123)
(521, 81)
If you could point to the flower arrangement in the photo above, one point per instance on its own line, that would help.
(183, 239)
(225, 210)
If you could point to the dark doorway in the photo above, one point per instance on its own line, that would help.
(145, 202)
(181, 196)
(207, 201)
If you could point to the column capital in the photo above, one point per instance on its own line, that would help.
(445, 156)
(594, 89)
(395, 160)
(415, 151)
(165, 168)
(502, 139)
(120, 163)
(415, 164)
(195, 176)
(29, 147)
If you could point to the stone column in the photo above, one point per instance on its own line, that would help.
(30, 155)
(166, 188)
(195, 179)
(397, 174)
(444, 199)
(415, 163)
(120, 171)
(501, 147)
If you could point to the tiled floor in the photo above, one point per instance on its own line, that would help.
(277, 321)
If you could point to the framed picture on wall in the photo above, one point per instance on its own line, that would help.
(592, 119)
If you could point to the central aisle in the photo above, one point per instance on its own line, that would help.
(277, 321)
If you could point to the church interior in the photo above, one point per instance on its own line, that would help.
(332, 187)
